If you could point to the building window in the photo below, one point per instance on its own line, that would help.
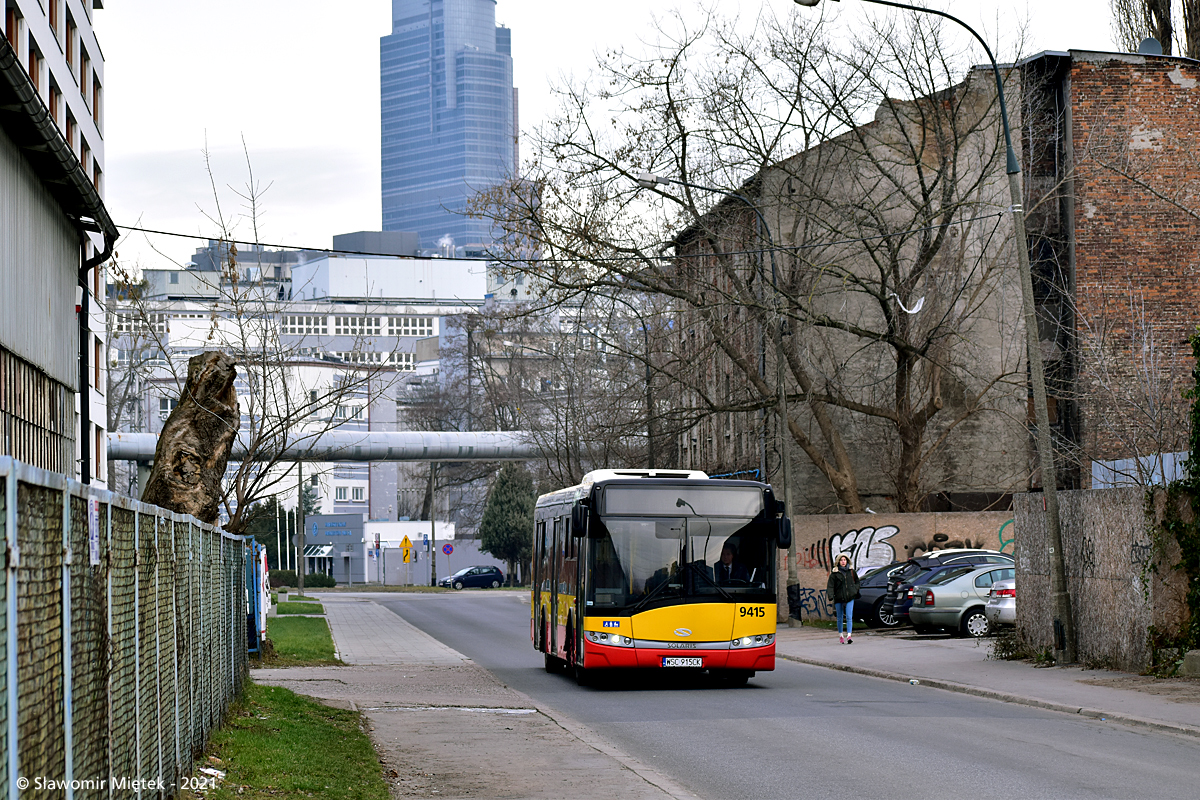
(55, 99)
(348, 412)
(357, 326)
(358, 357)
(305, 324)
(312, 481)
(403, 361)
(133, 322)
(339, 493)
(70, 45)
(35, 68)
(358, 494)
(98, 349)
(71, 132)
(100, 454)
(10, 26)
(96, 95)
(96, 178)
(165, 406)
(410, 326)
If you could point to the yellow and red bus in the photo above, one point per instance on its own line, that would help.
(657, 569)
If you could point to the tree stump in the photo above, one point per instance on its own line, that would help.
(193, 448)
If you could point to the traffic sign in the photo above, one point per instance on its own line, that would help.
(406, 550)
(447, 549)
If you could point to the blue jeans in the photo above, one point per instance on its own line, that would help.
(845, 617)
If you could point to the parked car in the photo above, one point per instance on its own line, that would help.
(872, 588)
(474, 577)
(955, 598)
(900, 583)
(1001, 606)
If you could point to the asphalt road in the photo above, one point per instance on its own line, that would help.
(808, 732)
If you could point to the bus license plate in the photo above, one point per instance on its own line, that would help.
(675, 661)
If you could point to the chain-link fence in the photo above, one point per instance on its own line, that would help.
(122, 639)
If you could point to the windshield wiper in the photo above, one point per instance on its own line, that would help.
(640, 603)
(696, 569)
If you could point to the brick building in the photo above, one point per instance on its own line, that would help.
(1108, 148)
(1113, 190)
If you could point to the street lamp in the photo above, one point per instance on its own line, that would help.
(1064, 644)
(648, 181)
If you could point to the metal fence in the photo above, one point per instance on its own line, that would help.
(123, 637)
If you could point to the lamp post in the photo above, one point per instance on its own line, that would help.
(1064, 636)
(649, 181)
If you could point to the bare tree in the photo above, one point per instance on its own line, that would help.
(1135, 20)
(881, 190)
(285, 397)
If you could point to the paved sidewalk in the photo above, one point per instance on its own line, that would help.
(445, 727)
(365, 633)
(962, 665)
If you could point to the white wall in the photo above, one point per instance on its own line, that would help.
(390, 278)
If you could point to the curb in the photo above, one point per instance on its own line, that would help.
(1004, 697)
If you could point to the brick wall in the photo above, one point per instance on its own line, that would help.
(1135, 129)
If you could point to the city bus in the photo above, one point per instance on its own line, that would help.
(657, 569)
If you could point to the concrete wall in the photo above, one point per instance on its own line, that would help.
(1116, 590)
(874, 540)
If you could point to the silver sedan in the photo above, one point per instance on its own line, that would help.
(1001, 608)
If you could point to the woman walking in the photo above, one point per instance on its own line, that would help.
(842, 589)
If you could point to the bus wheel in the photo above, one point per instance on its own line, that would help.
(582, 676)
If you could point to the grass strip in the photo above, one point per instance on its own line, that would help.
(277, 744)
(300, 642)
(300, 608)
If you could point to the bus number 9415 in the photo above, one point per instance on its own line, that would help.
(752, 611)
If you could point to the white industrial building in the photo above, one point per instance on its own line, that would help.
(54, 236)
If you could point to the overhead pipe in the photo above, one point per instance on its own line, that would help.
(357, 446)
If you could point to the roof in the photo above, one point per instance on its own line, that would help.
(28, 123)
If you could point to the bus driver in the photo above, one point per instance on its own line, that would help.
(729, 569)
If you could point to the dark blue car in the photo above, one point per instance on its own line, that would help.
(474, 577)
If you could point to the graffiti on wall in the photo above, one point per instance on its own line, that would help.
(814, 602)
(867, 548)
(870, 547)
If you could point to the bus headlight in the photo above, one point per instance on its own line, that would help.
(761, 640)
(610, 639)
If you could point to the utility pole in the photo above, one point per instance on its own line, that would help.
(300, 528)
(432, 524)
(278, 543)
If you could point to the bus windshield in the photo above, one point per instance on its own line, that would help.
(639, 561)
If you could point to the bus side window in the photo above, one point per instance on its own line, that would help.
(543, 553)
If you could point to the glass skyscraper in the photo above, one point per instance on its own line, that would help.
(449, 117)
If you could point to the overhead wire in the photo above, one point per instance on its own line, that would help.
(552, 260)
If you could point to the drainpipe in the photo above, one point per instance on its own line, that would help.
(85, 346)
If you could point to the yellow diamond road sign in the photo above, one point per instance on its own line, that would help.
(406, 550)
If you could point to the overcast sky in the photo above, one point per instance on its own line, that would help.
(299, 81)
